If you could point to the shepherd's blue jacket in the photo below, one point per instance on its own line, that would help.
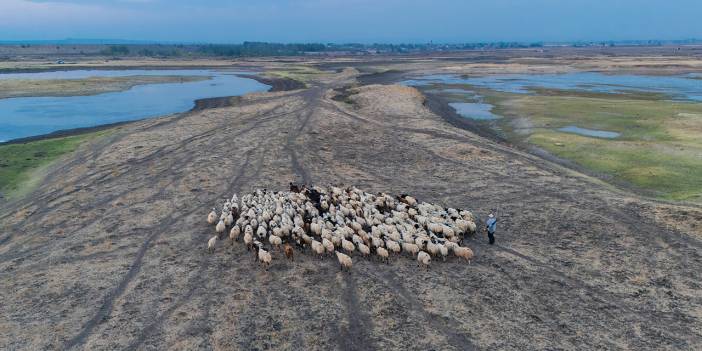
(491, 224)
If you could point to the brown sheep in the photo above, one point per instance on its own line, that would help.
(288, 251)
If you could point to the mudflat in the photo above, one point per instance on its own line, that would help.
(109, 250)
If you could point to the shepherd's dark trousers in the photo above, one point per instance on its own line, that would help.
(491, 236)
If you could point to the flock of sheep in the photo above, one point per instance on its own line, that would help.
(333, 219)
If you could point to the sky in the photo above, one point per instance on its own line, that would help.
(344, 21)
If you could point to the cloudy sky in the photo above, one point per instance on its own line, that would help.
(232, 21)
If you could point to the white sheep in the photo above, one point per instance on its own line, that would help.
(411, 248)
(328, 245)
(211, 243)
(276, 241)
(261, 231)
(265, 257)
(393, 246)
(317, 247)
(443, 250)
(347, 245)
(234, 233)
(316, 229)
(432, 248)
(365, 250)
(382, 253)
(344, 260)
(219, 228)
(212, 217)
(248, 237)
(423, 258)
(229, 219)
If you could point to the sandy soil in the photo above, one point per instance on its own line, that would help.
(109, 253)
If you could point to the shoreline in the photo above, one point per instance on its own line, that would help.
(276, 84)
(439, 106)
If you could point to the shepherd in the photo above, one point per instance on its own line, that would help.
(490, 226)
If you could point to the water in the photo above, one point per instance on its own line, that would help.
(590, 132)
(474, 110)
(682, 87)
(30, 116)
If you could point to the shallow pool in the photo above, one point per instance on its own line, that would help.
(590, 132)
(31, 116)
(474, 110)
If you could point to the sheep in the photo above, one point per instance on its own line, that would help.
(344, 219)
(248, 237)
(411, 248)
(450, 245)
(328, 245)
(393, 246)
(261, 231)
(229, 219)
(382, 253)
(463, 252)
(365, 250)
(448, 232)
(307, 239)
(277, 231)
(423, 258)
(211, 243)
(276, 241)
(318, 248)
(212, 217)
(316, 229)
(234, 233)
(264, 257)
(443, 250)
(377, 242)
(288, 251)
(220, 227)
(347, 245)
(432, 248)
(336, 240)
(344, 260)
(409, 200)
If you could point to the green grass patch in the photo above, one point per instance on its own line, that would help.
(18, 162)
(303, 74)
(659, 150)
(669, 172)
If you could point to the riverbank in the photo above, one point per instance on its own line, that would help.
(638, 140)
(12, 88)
(19, 158)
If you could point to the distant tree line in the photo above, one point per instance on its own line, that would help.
(254, 49)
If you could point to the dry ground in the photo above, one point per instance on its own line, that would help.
(109, 253)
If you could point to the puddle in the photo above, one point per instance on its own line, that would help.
(590, 132)
(474, 110)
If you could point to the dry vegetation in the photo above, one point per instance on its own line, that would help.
(108, 253)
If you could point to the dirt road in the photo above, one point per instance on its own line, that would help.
(109, 253)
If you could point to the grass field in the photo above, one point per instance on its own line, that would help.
(299, 73)
(18, 162)
(658, 151)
